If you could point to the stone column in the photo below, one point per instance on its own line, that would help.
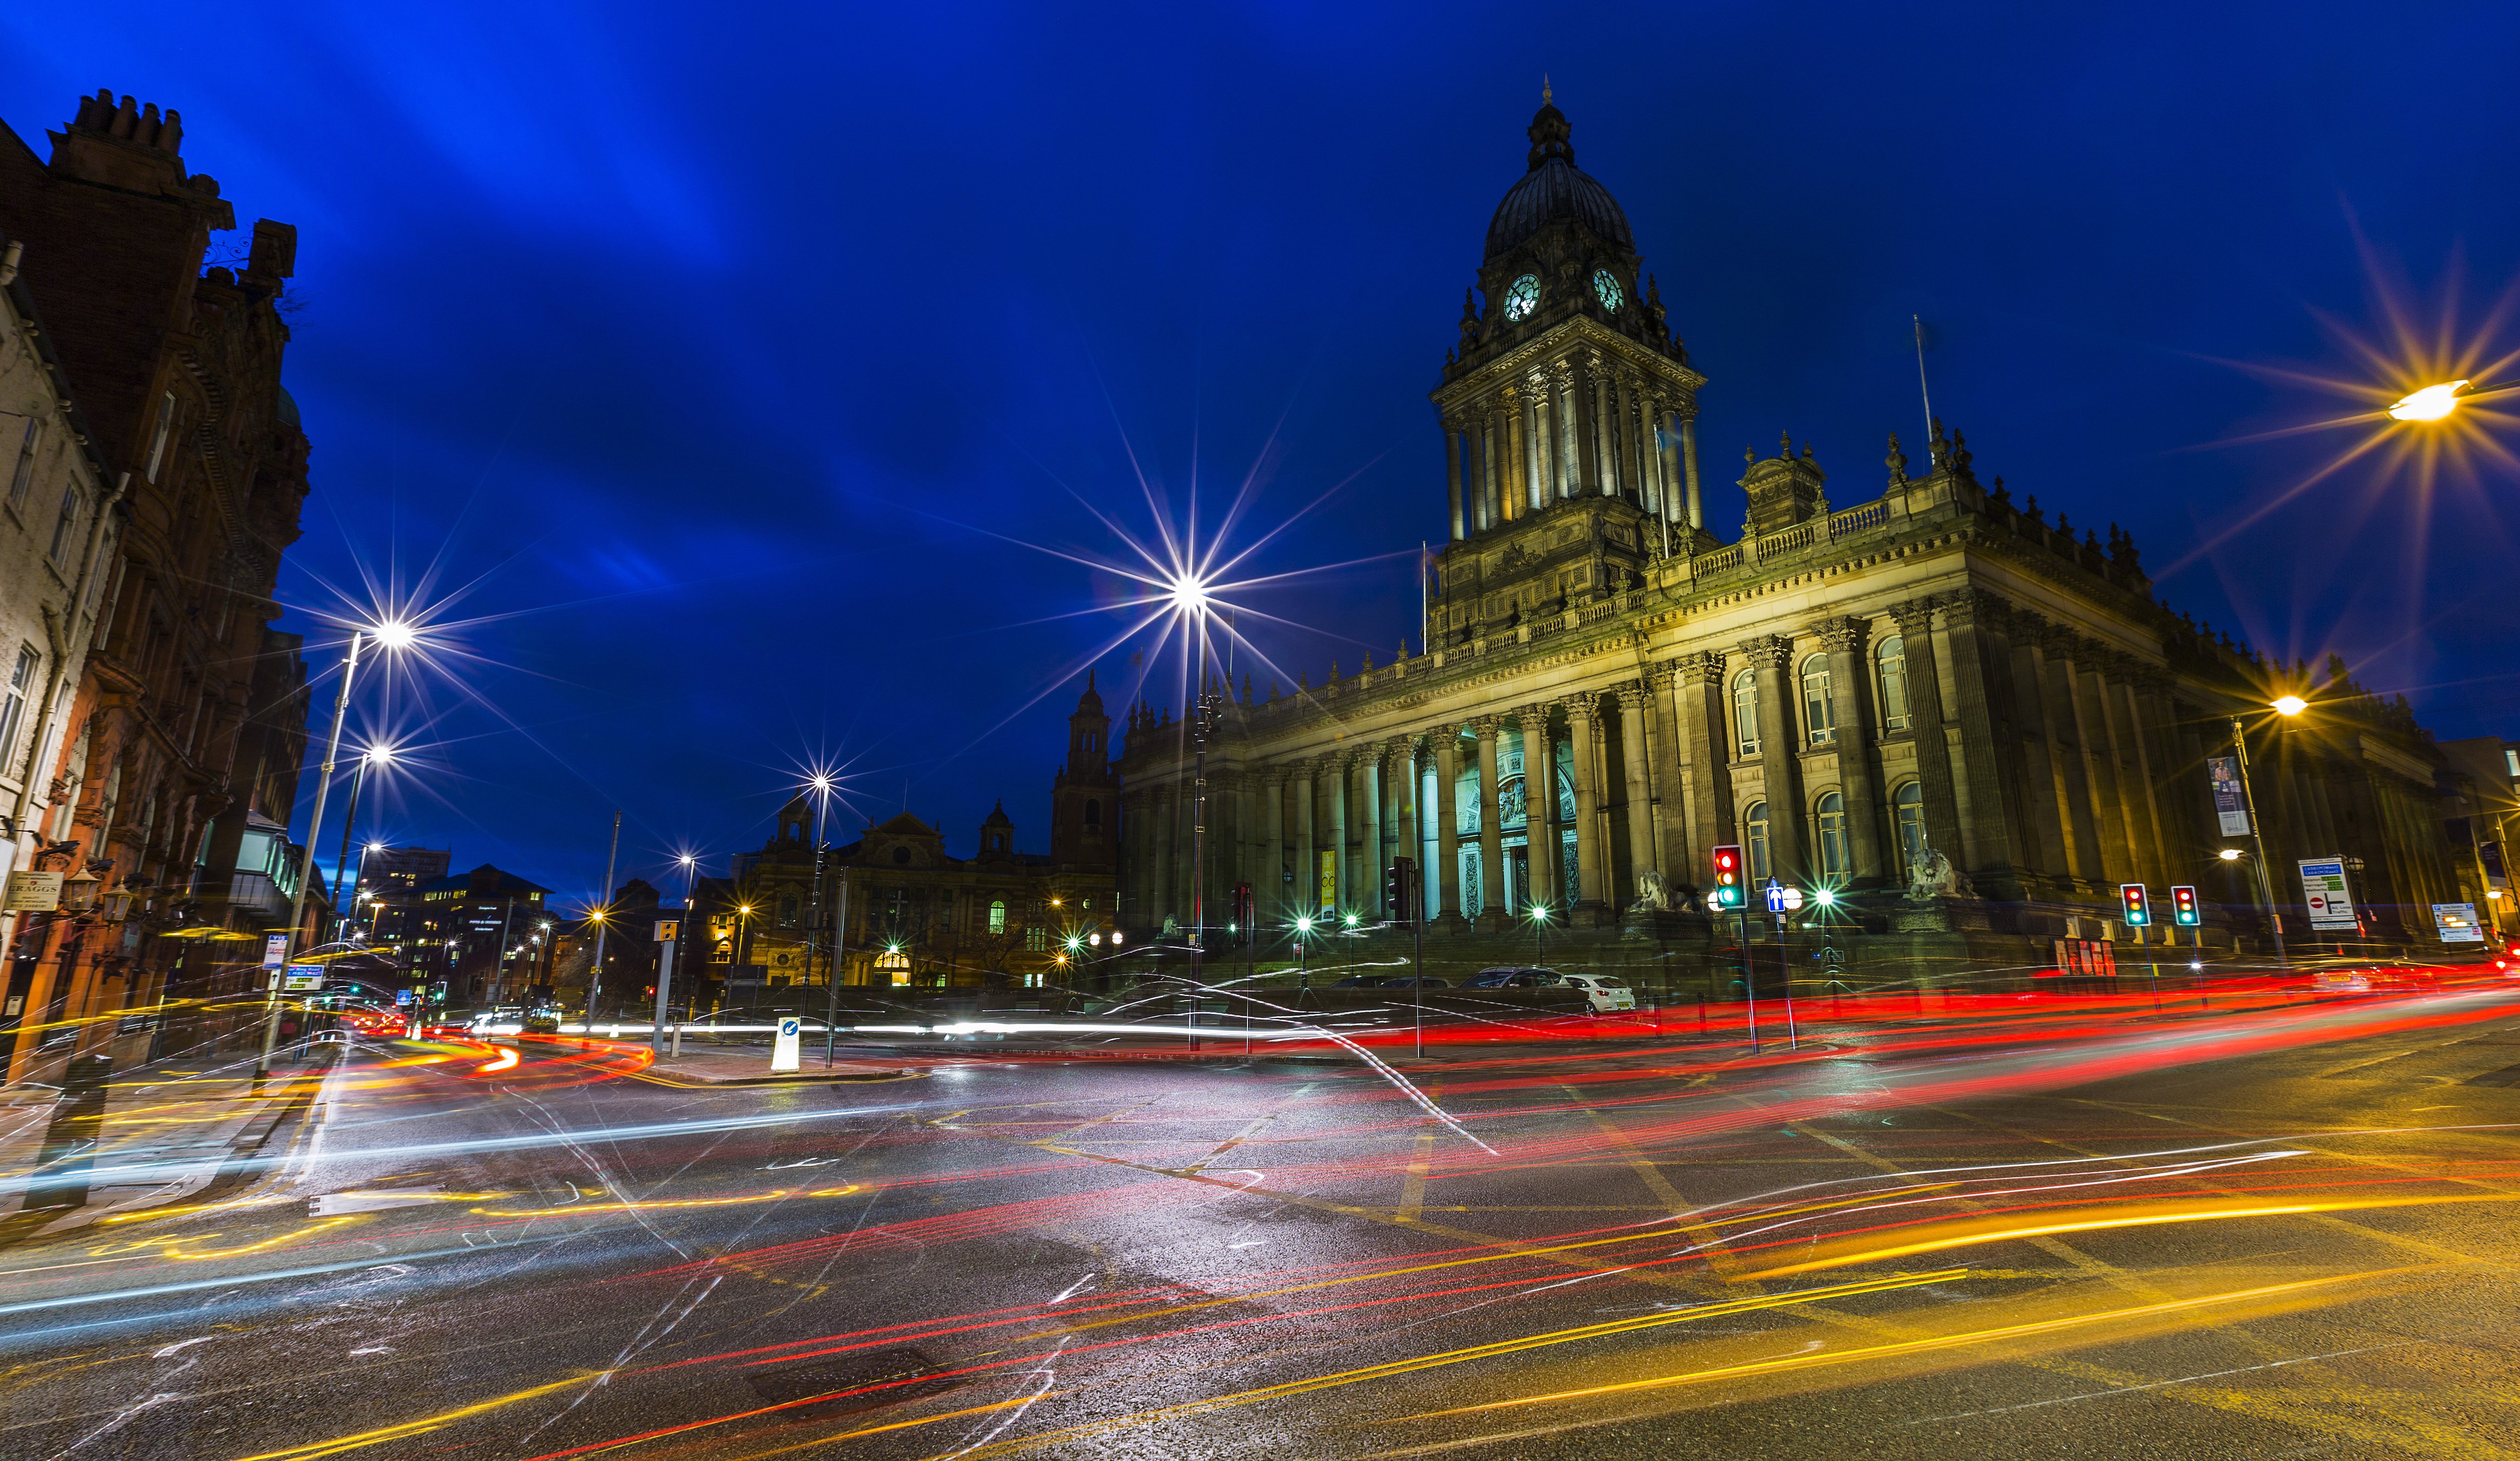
(1446, 875)
(1689, 467)
(1492, 914)
(1636, 711)
(1632, 453)
(1453, 475)
(2068, 745)
(1338, 803)
(1584, 746)
(1585, 470)
(1915, 619)
(1547, 437)
(1305, 897)
(1539, 806)
(1850, 674)
(1167, 876)
(1405, 785)
(1365, 877)
(1706, 758)
(1515, 440)
(1780, 754)
(1269, 897)
(2135, 780)
(1980, 674)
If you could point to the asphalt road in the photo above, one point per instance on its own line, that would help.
(2280, 1233)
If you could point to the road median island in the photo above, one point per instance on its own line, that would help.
(710, 1068)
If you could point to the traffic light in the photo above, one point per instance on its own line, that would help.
(1727, 877)
(2135, 903)
(1241, 913)
(2183, 907)
(1399, 880)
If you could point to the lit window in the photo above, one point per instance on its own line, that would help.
(12, 708)
(1820, 713)
(1831, 810)
(1907, 811)
(998, 917)
(1893, 656)
(25, 477)
(2511, 759)
(1036, 939)
(1746, 713)
(1754, 829)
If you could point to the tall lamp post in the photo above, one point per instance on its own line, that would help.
(390, 634)
(2286, 706)
(346, 909)
(672, 954)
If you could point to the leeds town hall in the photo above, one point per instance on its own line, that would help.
(1967, 717)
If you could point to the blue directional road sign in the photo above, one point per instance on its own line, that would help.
(1775, 896)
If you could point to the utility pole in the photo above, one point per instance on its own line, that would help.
(603, 926)
(839, 956)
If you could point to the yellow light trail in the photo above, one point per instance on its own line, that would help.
(1973, 1234)
(1385, 1371)
(664, 1204)
(406, 1429)
(1784, 1363)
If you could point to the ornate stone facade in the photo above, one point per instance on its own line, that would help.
(1608, 689)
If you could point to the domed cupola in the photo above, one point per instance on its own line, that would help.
(1553, 188)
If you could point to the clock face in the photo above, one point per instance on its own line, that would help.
(1523, 296)
(1607, 289)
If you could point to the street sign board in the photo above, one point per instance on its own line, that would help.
(2322, 886)
(34, 892)
(1775, 896)
(303, 977)
(275, 950)
(2231, 800)
(667, 929)
(783, 1055)
(2456, 923)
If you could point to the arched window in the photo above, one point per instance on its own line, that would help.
(1746, 713)
(998, 916)
(1094, 814)
(1831, 812)
(1754, 831)
(1907, 814)
(1820, 712)
(1893, 658)
(787, 910)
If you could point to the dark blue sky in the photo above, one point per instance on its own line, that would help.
(723, 357)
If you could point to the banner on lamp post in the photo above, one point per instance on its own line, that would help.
(2231, 800)
(2322, 886)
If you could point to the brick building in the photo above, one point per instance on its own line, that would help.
(186, 727)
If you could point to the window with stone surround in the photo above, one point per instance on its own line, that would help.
(1745, 714)
(1892, 657)
(1829, 812)
(1754, 832)
(1820, 712)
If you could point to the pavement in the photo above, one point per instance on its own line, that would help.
(2270, 1232)
(152, 1136)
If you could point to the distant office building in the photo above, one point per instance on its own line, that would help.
(486, 935)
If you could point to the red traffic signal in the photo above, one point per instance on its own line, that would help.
(2135, 903)
(1727, 877)
(2183, 907)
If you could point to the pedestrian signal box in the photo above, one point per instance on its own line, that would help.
(1399, 883)
(2183, 907)
(2135, 903)
(1729, 888)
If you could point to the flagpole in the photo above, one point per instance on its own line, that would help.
(1921, 389)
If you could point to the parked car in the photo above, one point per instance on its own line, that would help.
(1406, 980)
(1512, 978)
(1362, 982)
(1604, 994)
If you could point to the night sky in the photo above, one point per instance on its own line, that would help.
(716, 365)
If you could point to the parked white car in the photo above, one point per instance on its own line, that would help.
(1602, 993)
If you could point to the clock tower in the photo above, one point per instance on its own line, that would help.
(1568, 411)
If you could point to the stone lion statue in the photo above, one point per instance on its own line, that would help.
(1653, 891)
(1935, 877)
